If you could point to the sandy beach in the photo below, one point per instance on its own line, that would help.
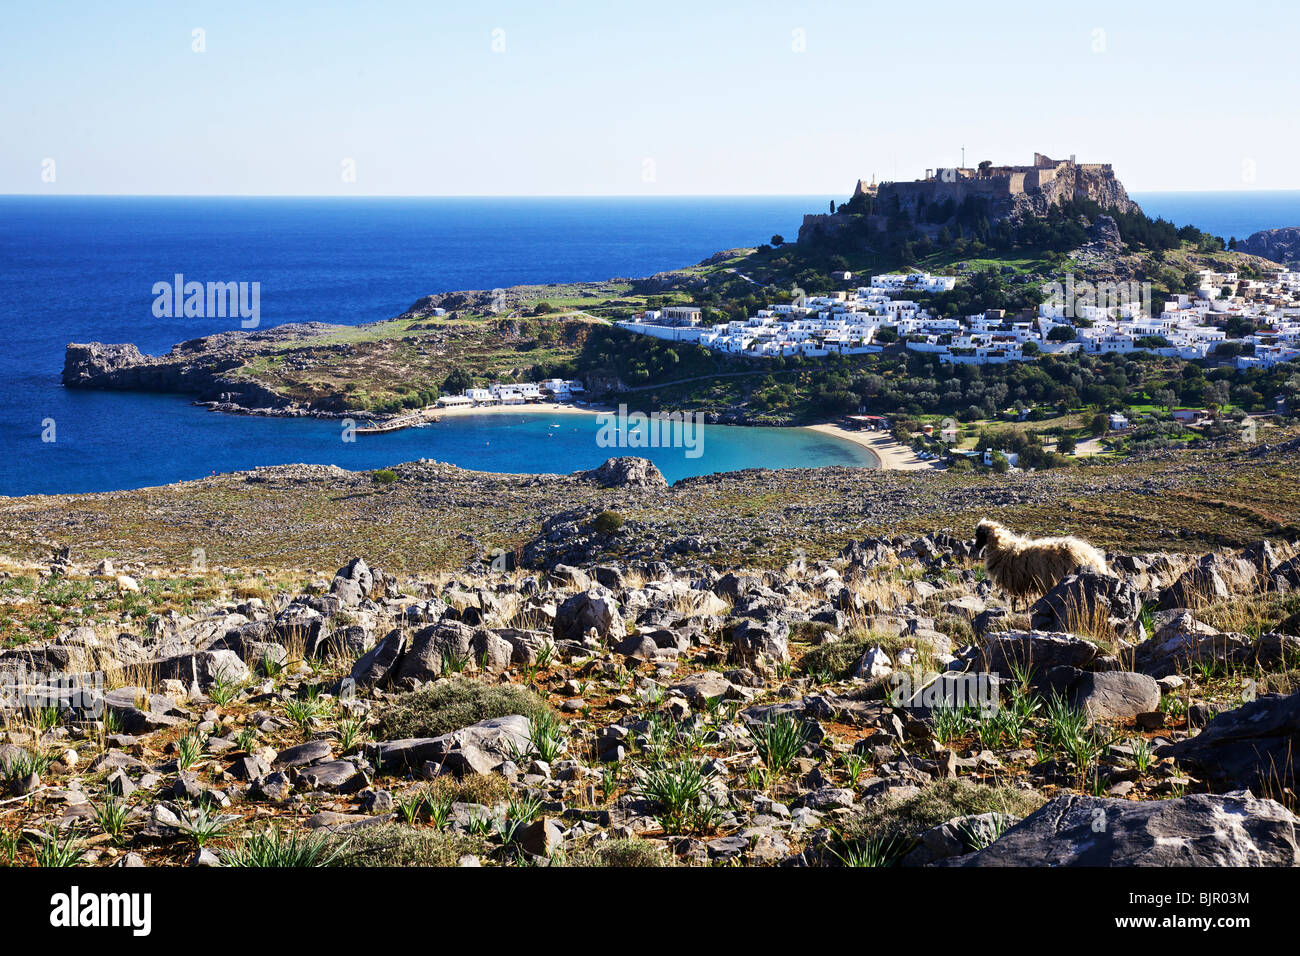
(892, 455)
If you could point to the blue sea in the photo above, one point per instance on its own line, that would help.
(77, 269)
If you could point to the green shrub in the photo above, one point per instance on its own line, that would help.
(835, 661)
(385, 476)
(392, 844)
(607, 522)
(622, 853)
(442, 708)
(906, 818)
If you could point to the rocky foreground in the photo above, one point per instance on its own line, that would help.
(881, 707)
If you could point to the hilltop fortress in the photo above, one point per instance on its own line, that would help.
(945, 195)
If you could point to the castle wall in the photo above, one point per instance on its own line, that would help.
(1011, 191)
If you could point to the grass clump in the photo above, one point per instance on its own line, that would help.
(679, 791)
(779, 740)
(835, 661)
(274, 848)
(894, 821)
(621, 853)
(392, 844)
(488, 789)
(454, 704)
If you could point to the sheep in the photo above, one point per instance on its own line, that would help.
(1024, 567)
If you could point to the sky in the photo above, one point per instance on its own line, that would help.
(703, 97)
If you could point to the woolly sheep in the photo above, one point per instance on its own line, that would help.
(1025, 567)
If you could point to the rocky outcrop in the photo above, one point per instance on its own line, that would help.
(1280, 245)
(200, 367)
(1088, 597)
(1255, 745)
(94, 364)
(1202, 830)
(627, 473)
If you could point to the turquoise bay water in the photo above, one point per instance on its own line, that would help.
(532, 442)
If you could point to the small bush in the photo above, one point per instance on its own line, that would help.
(906, 818)
(385, 476)
(391, 844)
(449, 706)
(836, 660)
(956, 629)
(608, 522)
(622, 853)
(488, 789)
(807, 632)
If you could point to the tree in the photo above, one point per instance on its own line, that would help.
(457, 382)
(778, 239)
(1066, 444)
(1165, 397)
(1099, 425)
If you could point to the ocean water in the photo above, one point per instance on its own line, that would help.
(76, 269)
(1225, 214)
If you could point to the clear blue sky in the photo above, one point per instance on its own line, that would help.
(715, 95)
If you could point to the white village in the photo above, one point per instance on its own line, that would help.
(1082, 318)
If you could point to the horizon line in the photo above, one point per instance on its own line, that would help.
(799, 195)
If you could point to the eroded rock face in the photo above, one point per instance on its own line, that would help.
(627, 472)
(585, 610)
(1111, 695)
(1280, 245)
(1088, 596)
(1256, 745)
(1235, 829)
(91, 365)
(1011, 651)
(194, 367)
